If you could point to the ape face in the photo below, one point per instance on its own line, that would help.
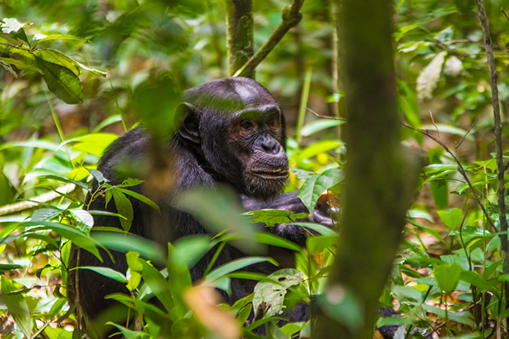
(240, 131)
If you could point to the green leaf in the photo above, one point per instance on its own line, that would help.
(320, 243)
(140, 197)
(127, 333)
(17, 306)
(323, 230)
(447, 277)
(95, 143)
(272, 291)
(313, 188)
(189, 250)
(125, 242)
(478, 280)
(45, 214)
(53, 37)
(218, 210)
(275, 240)
(272, 217)
(237, 265)
(319, 147)
(83, 217)
(62, 82)
(20, 64)
(440, 193)
(319, 125)
(124, 207)
(107, 272)
(78, 238)
(158, 285)
(428, 229)
(451, 217)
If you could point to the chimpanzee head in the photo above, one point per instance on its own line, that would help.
(237, 132)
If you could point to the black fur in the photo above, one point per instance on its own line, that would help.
(209, 148)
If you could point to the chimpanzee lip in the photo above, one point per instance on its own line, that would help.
(271, 174)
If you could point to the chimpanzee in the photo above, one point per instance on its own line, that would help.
(232, 132)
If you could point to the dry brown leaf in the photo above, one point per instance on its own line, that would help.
(203, 301)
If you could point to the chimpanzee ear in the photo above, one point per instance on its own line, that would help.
(189, 122)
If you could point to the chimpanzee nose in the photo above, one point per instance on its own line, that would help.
(270, 145)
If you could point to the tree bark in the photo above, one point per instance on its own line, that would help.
(239, 35)
(379, 180)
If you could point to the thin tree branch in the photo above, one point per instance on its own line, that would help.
(498, 143)
(502, 9)
(324, 116)
(291, 17)
(461, 169)
(25, 205)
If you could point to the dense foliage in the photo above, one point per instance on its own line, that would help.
(75, 74)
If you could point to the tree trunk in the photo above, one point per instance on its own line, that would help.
(239, 34)
(378, 180)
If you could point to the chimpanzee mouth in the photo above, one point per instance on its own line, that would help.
(272, 174)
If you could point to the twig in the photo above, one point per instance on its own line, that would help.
(462, 139)
(502, 9)
(498, 143)
(324, 116)
(433, 121)
(291, 17)
(460, 169)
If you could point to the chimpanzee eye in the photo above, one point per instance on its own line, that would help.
(246, 124)
(270, 121)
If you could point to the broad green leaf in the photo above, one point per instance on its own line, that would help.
(320, 243)
(45, 214)
(62, 82)
(58, 58)
(129, 334)
(158, 285)
(323, 230)
(189, 250)
(140, 197)
(78, 238)
(451, 217)
(414, 213)
(124, 207)
(273, 291)
(319, 125)
(107, 272)
(478, 280)
(428, 229)
(83, 216)
(237, 265)
(31, 143)
(313, 188)
(218, 210)
(108, 121)
(302, 174)
(440, 192)
(57, 333)
(94, 143)
(20, 64)
(98, 176)
(53, 37)
(125, 242)
(275, 240)
(319, 147)
(17, 306)
(272, 217)
(447, 277)
(70, 181)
